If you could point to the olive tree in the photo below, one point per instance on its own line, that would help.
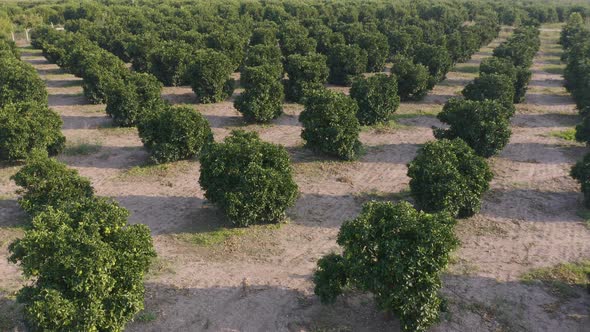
(250, 180)
(27, 126)
(409, 250)
(447, 175)
(483, 125)
(376, 97)
(174, 133)
(330, 125)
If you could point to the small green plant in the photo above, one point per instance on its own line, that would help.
(562, 278)
(567, 134)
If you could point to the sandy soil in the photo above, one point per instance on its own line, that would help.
(260, 280)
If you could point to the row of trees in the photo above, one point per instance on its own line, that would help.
(26, 122)
(575, 41)
(447, 179)
(83, 262)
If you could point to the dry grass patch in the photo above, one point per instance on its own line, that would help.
(564, 280)
(82, 147)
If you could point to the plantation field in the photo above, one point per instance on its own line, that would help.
(506, 275)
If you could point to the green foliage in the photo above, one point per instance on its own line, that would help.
(330, 278)
(208, 74)
(519, 76)
(27, 126)
(250, 180)
(169, 60)
(436, 59)
(581, 172)
(263, 54)
(396, 253)
(520, 47)
(130, 98)
(262, 98)
(306, 73)
(330, 125)
(377, 48)
(174, 133)
(8, 46)
(447, 175)
(230, 44)
(496, 87)
(413, 79)
(86, 267)
(346, 62)
(376, 97)
(483, 125)
(294, 39)
(19, 82)
(47, 182)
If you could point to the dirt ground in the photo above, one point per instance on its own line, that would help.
(209, 277)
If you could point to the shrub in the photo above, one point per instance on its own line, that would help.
(250, 180)
(294, 39)
(306, 73)
(9, 46)
(376, 97)
(483, 125)
(263, 54)
(133, 96)
(169, 61)
(264, 35)
(27, 126)
(47, 182)
(174, 133)
(346, 62)
(85, 266)
(98, 82)
(330, 125)
(581, 172)
(436, 59)
(412, 79)
(377, 48)
(409, 251)
(262, 98)
(447, 175)
(20, 82)
(490, 86)
(230, 44)
(208, 75)
(518, 75)
(583, 130)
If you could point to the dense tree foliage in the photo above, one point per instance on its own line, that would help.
(19, 82)
(27, 126)
(413, 79)
(496, 87)
(169, 62)
(263, 94)
(330, 125)
(581, 172)
(483, 125)
(306, 73)
(174, 133)
(85, 263)
(131, 97)
(376, 97)
(250, 180)
(47, 182)
(436, 59)
(346, 62)
(209, 76)
(447, 175)
(409, 251)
